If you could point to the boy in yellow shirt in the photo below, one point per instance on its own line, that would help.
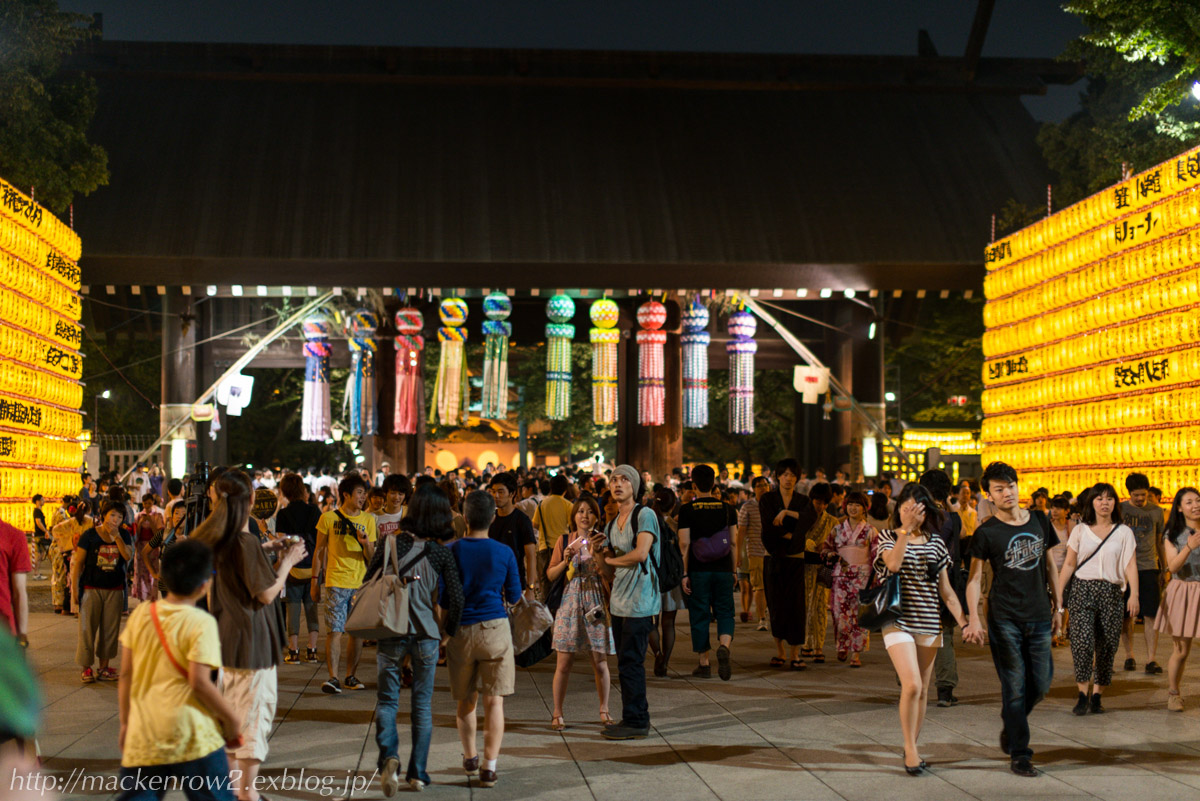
(174, 722)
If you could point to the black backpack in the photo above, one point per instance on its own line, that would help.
(670, 570)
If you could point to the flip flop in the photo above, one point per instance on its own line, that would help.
(777, 661)
(798, 664)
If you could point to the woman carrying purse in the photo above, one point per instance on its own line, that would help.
(581, 623)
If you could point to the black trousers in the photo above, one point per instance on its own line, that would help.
(783, 580)
(632, 636)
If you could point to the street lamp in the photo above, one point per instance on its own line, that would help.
(106, 394)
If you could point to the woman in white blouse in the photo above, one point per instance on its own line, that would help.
(1100, 555)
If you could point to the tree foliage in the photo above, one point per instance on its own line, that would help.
(44, 115)
(941, 358)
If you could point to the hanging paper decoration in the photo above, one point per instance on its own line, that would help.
(695, 341)
(652, 399)
(559, 333)
(452, 393)
(315, 417)
(360, 389)
(409, 344)
(605, 337)
(741, 350)
(497, 307)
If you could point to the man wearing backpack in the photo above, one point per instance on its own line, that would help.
(706, 527)
(633, 553)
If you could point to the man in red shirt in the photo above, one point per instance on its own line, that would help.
(14, 565)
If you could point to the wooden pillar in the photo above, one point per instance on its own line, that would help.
(178, 360)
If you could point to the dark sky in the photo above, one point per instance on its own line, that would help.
(1019, 28)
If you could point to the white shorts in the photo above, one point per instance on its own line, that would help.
(253, 694)
(893, 635)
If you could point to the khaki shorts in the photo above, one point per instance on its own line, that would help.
(480, 657)
(756, 572)
(253, 694)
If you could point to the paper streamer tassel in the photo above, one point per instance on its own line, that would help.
(741, 350)
(360, 394)
(559, 333)
(452, 393)
(315, 416)
(409, 345)
(497, 308)
(652, 403)
(605, 338)
(695, 342)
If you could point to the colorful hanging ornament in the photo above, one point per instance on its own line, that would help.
(409, 345)
(315, 415)
(605, 337)
(695, 341)
(559, 333)
(497, 307)
(652, 399)
(360, 389)
(741, 350)
(452, 393)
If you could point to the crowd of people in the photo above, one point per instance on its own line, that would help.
(613, 557)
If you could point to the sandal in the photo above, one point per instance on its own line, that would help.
(798, 664)
(842, 655)
(606, 719)
(557, 723)
(819, 658)
(777, 661)
(856, 662)
(806, 653)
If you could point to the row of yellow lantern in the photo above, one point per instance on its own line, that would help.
(21, 379)
(24, 347)
(1134, 194)
(25, 246)
(39, 287)
(37, 319)
(20, 209)
(25, 482)
(1151, 335)
(1154, 371)
(1169, 407)
(35, 449)
(1141, 301)
(38, 417)
(1166, 219)
(1109, 447)
(1145, 265)
(1169, 479)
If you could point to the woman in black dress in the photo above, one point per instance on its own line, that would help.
(786, 516)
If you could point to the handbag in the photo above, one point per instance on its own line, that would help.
(529, 620)
(380, 607)
(879, 606)
(714, 547)
(825, 575)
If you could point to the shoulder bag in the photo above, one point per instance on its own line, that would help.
(380, 607)
(880, 605)
(1079, 565)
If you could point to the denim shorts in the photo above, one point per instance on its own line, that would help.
(337, 607)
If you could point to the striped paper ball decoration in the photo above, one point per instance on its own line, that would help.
(453, 311)
(741, 350)
(560, 309)
(604, 313)
(497, 306)
(652, 399)
(695, 341)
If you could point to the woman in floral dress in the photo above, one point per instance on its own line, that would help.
(851, 544)
(148, 522)
(582, 622)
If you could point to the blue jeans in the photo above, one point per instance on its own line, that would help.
(1021, 652)
(712, 597)
(389, 657)
(204, 779)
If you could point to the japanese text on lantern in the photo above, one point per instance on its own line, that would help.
(1092, 348)
(40, 363)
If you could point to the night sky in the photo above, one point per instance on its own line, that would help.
(1019, 28)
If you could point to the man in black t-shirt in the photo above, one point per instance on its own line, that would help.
(1016, 542)
(514, 528)
(706, 527)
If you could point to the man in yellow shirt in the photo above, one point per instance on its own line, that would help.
(175, 723)
(552, 519)
(345, 542)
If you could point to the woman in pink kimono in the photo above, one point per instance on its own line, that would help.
(851, 547)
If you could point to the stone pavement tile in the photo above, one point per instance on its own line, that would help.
(995, 780)
(1124, 788)
(765, 776)
(855, 783)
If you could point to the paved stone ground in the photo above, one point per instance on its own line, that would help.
(768, 735)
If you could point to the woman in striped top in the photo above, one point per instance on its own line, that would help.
(913, 549)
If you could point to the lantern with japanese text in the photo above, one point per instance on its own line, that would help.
(604, 337)
(652, 401)
(496, 329)
(409, 344)
(453, 392)
(559, 333)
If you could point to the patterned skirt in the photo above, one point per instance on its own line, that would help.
(573, 632)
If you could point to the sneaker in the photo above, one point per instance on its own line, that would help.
(352, 683)
(488, 778)
(1153, 668)
(471, 766)
(331, 687)
(108, 674)
(1096, 708)
(416, 784)
(946, 697)
(310, 655)
(389, 778)
(1023, 767)
(1081, 706)
(1174, 702)
(1004, 741)
(703, 672)
(1130, 664)
(620, 731)
(292, 658)
(723, 667)
(762, 625)
(87, 677)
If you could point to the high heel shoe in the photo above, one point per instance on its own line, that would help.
(919, 770)
(557, 723)
(606, 719)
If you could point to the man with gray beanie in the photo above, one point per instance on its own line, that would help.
(633, 555)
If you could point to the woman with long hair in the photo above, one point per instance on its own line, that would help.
(581, 623)
(1107, 548)
(850, 546)
(1179, 613)
(877, 511)
(149, 522)
(786, 516)
(913, 550)
(98, 590)
(65, 535)
(242, 599)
